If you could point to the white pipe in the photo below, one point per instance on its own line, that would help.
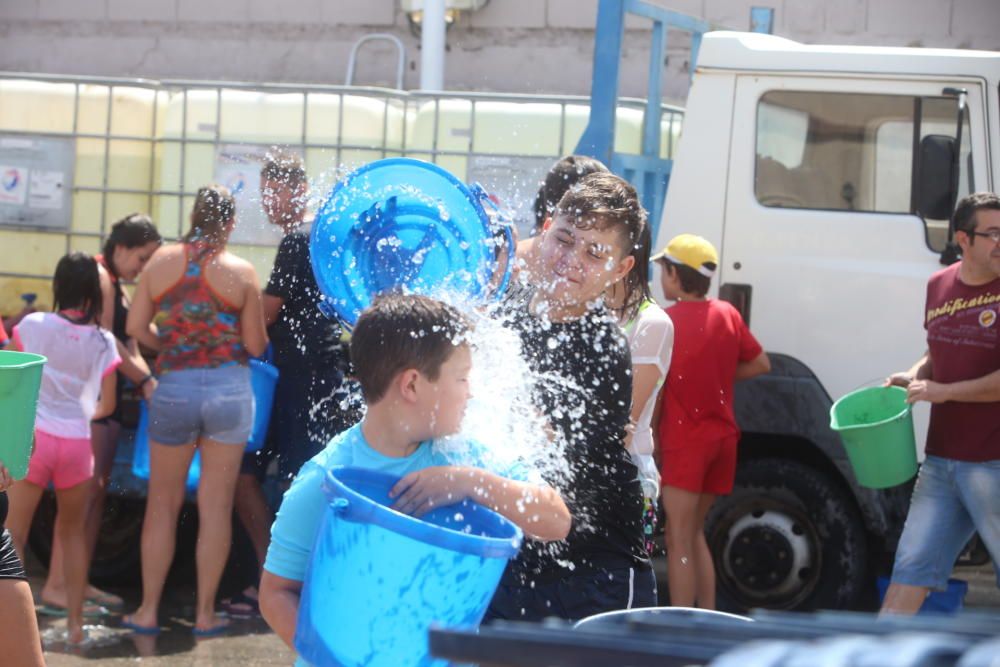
(432, 45)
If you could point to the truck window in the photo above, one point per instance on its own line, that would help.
(849, 151)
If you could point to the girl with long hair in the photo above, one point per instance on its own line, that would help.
(207, 306)
(78, 385)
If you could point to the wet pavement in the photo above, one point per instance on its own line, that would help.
(248, 642)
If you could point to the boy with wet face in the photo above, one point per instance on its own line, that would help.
(413, 362)
(572, 340)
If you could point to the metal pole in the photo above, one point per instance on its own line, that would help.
(432, 45)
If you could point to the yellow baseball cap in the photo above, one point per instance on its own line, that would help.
(690, 250)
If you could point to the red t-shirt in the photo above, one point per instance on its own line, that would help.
(3, 334)
(710, 339)
(963, 336)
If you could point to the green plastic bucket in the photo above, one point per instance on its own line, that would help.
(20, 379)
(876, 425)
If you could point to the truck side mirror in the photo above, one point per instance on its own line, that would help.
(935, 181)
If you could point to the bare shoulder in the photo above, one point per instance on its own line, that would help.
(238, 265)
(166, 256)
(164, 267)
(107, 286)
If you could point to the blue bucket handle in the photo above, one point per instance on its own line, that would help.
(340, 505)
(498, 219)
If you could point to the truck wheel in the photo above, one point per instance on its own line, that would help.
(788, 537)
(116, 556)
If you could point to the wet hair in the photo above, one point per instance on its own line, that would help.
(692, 282)
(77, 285)
(604, 201)
(563, 174)
(637, 280)
(284, 167)
(214, 207)
(133, 231)
(964, 218)
(398, 332)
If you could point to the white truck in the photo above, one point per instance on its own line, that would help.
(825, 176)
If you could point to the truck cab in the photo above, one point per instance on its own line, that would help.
(825, 176)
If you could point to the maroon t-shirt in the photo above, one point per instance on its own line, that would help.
(963, 335)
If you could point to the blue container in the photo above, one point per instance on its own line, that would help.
(402, 224)
(263, 379)
(948, 601)
(140, 453)
(378, 579)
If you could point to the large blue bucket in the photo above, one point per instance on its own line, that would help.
(263, 379)
(378, 579)
(405, 224)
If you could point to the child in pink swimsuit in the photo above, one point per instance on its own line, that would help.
(78, 385)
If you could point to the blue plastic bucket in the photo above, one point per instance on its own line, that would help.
(402, 224)
(378, 579)
(263, 379)
(949, 601)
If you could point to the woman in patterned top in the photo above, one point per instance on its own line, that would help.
(206, 304)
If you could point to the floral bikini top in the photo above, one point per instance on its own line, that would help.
(198, 328)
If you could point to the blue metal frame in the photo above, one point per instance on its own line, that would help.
(648, 172)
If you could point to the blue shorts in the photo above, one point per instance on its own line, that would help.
(951, 500)
(213, 403)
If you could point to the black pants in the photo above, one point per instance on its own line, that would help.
(10, 564)
(575, 597)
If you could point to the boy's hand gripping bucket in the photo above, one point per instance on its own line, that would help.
(20, 380)
(876, 425)
(378, 579)
(401, 223)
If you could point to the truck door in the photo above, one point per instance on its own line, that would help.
(820, 221)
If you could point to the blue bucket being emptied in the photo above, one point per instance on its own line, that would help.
(378, 579)
(404, 224)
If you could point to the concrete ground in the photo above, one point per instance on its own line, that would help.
(251, 644)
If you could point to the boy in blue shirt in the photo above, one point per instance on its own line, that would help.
(412, 362)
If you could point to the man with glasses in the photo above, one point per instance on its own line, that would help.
(956, 492)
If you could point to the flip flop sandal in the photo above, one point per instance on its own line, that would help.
(109, 601)
(242, 606)
(90, 610)
(140, 629)
(214, 631)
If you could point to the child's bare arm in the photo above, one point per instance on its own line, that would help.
(756, 366)
(536, 509)
(279, 605)
(106, 403)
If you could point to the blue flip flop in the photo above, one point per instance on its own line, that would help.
(140, 629)
(214, 631)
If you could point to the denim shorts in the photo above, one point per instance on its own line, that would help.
(951, 500)
(213, 403)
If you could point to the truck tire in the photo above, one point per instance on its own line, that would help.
(116, 556)
(789, 537)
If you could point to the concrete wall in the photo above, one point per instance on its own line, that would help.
(510, 45)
